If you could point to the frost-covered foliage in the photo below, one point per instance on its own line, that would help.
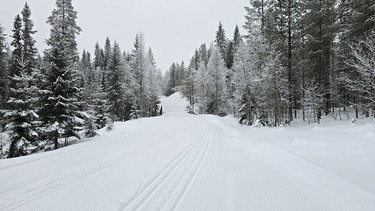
(289, 62)
(363, 63)
(59, 102)
(22, 117)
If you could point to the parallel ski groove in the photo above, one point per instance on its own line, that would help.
(158, 181)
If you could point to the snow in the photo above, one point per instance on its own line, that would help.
(187, 162)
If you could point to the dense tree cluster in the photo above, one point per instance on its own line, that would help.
(48, 101)
(297, 59)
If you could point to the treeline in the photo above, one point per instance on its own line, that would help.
(48, 100)
(297, 59)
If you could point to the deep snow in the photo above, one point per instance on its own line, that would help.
(187, 162)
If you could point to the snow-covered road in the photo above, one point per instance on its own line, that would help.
(186, 162)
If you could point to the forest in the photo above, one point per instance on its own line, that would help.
(297, 59)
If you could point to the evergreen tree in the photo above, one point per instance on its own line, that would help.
(17, 53)
(138, 66)
(363, 63)
(22, 118)
(221, 41)
(274, 101)
(172, 82)
(281, 30)
(131, 85)
(245, 76)
(216, 83)
(232, 48)
(320, 29)
(115, 79)
(189, 84)
(256, 15)
(107, 53)
(202, 87)
(99, 57)
(356, 20)
(106, 59)
(153, 85)
(4, 90)
(359, 20)
(29, 49)
(59, 106)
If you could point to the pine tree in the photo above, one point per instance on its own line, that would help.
(115, 80)
(16, 43)
(4, 90)
(363, 63)
(216, 83)
(256, 16)
(22, 118)
(138, 66)
(172, 82)
(221, 41)
(275, 91)
(281, 30)
(201, 79)
(59, 106)
(189, 83)
(106, 59)
(29, 49)
(356, 20)
(320, 30)
(130, 85)
(360, 21)
(99, 56)
(153, 85)
(245, 76)
(232, 48)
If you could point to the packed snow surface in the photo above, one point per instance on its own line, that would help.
(187, 162)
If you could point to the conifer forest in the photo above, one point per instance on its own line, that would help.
(296, 59)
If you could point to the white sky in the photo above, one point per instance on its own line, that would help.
(172, 28)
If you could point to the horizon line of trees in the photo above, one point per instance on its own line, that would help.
(297, 59)
(47, 101)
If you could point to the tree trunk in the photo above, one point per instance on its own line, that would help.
(56, 139)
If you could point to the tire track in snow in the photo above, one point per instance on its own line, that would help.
(146, 194)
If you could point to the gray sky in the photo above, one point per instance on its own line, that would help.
(172, 28)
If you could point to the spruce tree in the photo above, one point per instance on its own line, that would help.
(22, 118)
(59, 106)
(115, 80)
(153, 84)
(106, 59)
(29, 49)
(4, 81)
(16, 43)
(138, 66)
(216, 83)
(189, 84)
(356, 20)
(320, 30)
(98, 59)
(221, 41)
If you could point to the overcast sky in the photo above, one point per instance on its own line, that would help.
(172, 28)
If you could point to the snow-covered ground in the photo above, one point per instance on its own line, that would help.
(186, 162)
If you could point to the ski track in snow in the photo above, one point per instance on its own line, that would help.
(186, 162)
(174, 180)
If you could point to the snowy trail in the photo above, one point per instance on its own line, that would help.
(186, 162)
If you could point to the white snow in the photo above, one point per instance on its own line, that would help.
(187, 162)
